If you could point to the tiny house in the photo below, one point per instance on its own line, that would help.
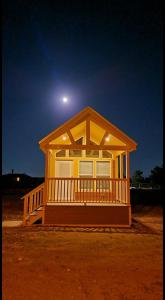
(87, 175)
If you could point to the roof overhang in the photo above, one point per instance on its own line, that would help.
(88, 114)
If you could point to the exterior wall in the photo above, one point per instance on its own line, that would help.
(114, 216)
(51, 165)
(52, 159)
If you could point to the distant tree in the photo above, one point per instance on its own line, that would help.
(156, 176)
(137, 178)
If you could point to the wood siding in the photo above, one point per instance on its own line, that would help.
(117, 216)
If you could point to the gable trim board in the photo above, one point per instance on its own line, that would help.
(88, 114)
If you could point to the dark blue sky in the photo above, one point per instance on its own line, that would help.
(106, 56)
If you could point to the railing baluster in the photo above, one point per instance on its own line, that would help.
(79, 187)
(50, 196)
(38, 196)
(68, 189)
(41, 196)
(35, 201)
(99, 190)
(57, 187)
(112, 186)
(92, 189)
(96, 190)
(54, 190)
(71, 197)
(109, 186)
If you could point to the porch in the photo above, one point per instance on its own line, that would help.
(87, 190)
(60, 192)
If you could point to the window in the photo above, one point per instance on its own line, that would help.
(92, 153)
(75, 153)
(103, 171)
(85, 171)
(61, 153)
(106, 154)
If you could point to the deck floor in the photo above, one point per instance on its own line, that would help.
(86, 204)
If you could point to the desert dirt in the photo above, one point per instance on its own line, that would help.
(46, 263)
(56, 265)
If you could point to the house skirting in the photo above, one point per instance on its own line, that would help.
(86, 215)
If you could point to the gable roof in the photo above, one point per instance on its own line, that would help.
(94, 116)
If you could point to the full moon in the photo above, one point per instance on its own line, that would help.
(65, 99)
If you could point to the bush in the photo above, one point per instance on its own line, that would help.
(146, 197)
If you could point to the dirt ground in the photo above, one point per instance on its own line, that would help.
(12, 207)
(62, 264)
(53, 265)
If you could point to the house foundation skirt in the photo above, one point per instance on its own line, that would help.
(88, 215)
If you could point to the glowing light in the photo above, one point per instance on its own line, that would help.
(64, 138)
(107, 139)
(18, 179)
(65, 99)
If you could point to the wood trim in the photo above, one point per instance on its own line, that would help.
(88, 131)
(121, 165)
(112, 129)
(38, 188)
(128, 175)
(130, 216)
(70, 137)
(74, 121)
(86, 147)
(86, 178)
(43, 217)
(46, 176)
(103, 138)
(85, 225)
(95, 117)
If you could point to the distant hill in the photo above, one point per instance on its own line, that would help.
(18, 180)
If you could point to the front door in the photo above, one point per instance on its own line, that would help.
(64, 187)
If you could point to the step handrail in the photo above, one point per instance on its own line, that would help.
(34, 190)
(33, 200)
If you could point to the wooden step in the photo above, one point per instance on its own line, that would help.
(35, 216)
(40, 208)
(34, 213)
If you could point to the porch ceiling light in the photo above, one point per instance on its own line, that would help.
(64, 138)
(107, 138)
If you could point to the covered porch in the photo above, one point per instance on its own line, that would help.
(87, 191)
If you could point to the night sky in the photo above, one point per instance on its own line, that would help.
(106, 56)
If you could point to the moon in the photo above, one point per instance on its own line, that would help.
(65, 99)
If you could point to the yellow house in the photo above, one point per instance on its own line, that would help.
(87, 175)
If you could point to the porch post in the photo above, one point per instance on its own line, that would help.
(114, 166)
(128, 185)
(46, 176)
(128, 176)
(121, 166)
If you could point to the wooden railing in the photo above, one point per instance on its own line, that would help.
(33, 200)
(76, 190)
